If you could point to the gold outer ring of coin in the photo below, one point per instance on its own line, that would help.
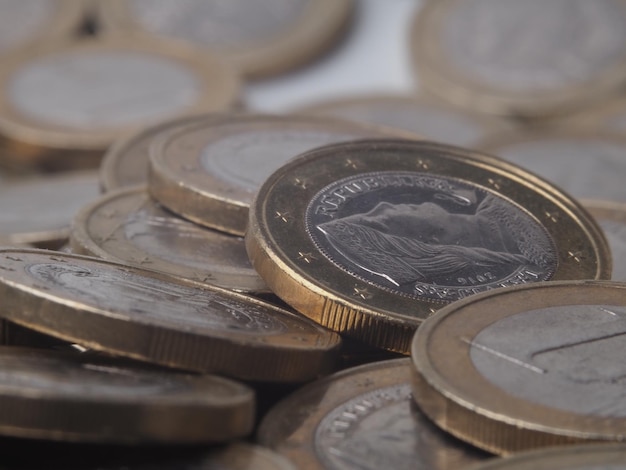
(98, 230)
(456, 396)
(65, 22)
(72, 397)
(178, 181)
(350, 108)
(296, 350)
(581, 457)
(441, 78)
(32, 142)
(294, 268)
(315, 31)
(293, 426)
(126, 162)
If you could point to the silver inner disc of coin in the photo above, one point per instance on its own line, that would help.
(585, 168)
(87, 90)
(383, 429)
(217, 22)
(23, 20)
(534, 45)
(567, 357)
(419, 235)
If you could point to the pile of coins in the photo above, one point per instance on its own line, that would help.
(188, 282)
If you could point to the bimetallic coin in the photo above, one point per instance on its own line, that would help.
(39, 210)
(420, 115)
(580, 457)
(587, 163)
(27, 21)
(104, 89)
(370, 238)
(129, 227)
(125, 163)
(526, 367)
(262, 38)
(73, 397)
(209, 172)
(363, 418)
(612, 220)
(161, 319)
(495, 56)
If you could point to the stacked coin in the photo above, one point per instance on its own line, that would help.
(237, 255)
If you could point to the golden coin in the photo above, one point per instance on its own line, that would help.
(103, 89)
(362, 417)
(370, 238)
(261, 38)
(587, 163)
(420, 115)
(125, 163)
(27, 21)
(580, 457)
(74, 397)
(494, 56)
(525, 367)
(129, 227)
(39, 210)
(208, 172)
(161, 319)
(611, 216)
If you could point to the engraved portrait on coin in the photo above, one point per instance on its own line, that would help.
(428, 236)
(141, 296)
(565, 357)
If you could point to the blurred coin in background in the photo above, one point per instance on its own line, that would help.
(611, 217)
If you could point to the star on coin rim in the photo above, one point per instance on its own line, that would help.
(460, 400)
(323, 292)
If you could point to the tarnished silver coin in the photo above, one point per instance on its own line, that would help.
(587, 163)
(39, 210)
(160, 318)
(75, 397)
(531, 58)
(363, 418)
(127, 226)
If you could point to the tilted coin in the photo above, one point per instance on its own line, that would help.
(125, 163)
(587, 163)
(421, 115)
(262, 38)
(12, 334)
(39, 210)
(611, 216)
(161, 319)
(209, 172)
(580, 457)
(495, 56)
(103, 88)
(525, 367)
(129, 227)
(73, 397)
(363, 418)
(27, 21)
(370, 238)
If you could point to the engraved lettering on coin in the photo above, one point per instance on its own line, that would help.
(92, 89)
(217, 22)
(38, 373)
(586, 168)
(384, 429)
(156, 300)
(427, 236)
(534, 45)
(246, 159)
(565, 357)
(616, 235)
(23, 20)
(178, 241)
